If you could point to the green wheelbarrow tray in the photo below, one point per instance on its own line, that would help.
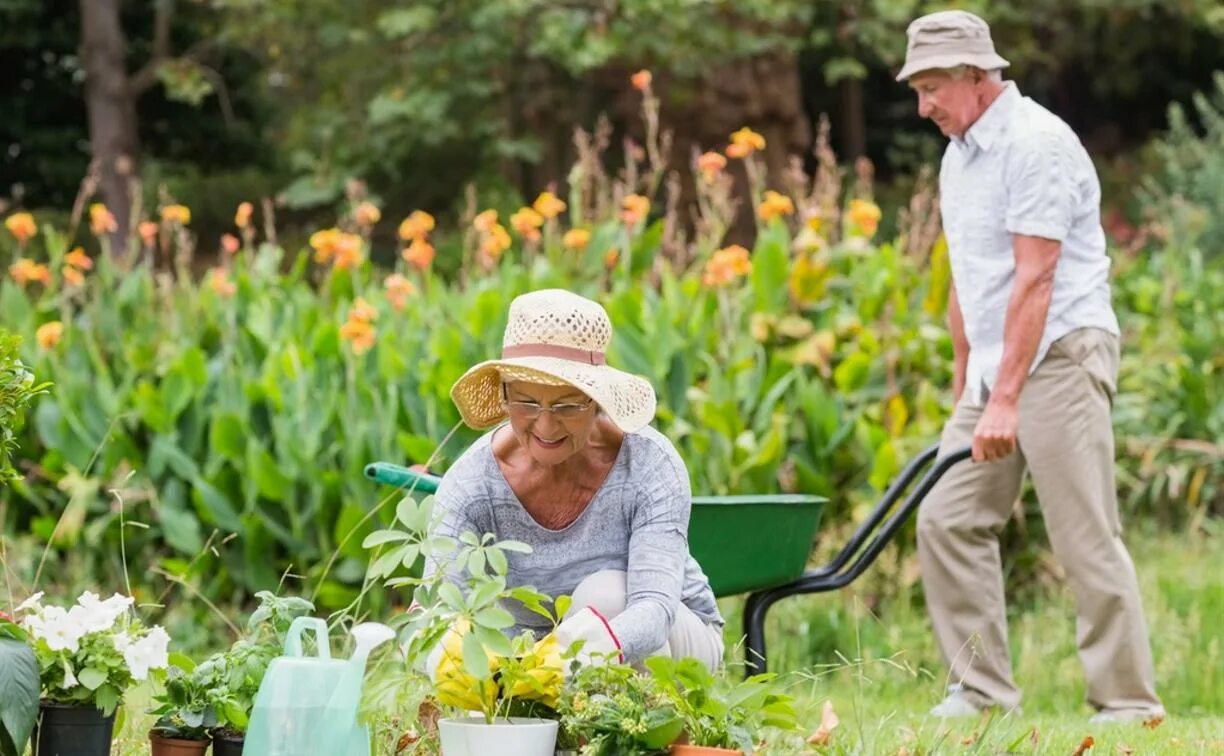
(760, 544)
(743, 543)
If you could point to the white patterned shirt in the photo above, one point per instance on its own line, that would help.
(1020, 169)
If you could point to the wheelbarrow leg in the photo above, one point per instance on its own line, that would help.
(755, 609)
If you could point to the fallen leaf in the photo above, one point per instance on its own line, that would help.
(828, 721)
(1154, 722)
(1084, 746)
(406, 740)
(969, 739)
(1034, 737)
(1124, 749)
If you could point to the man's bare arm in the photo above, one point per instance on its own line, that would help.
(960, 344)
(1036, 259)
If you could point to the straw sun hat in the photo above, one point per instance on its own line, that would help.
(556, 338)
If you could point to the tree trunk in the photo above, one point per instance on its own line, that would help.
(113, 139)
(853, 125)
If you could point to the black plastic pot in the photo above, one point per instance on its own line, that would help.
(73, 730)
(227, 745)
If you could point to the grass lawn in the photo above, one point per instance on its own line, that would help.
(881, 672)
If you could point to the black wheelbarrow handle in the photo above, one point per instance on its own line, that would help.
(863, 548)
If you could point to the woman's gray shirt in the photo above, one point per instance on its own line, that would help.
(636, 522)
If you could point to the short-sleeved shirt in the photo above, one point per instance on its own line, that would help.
(1019, 169)
(636, 522)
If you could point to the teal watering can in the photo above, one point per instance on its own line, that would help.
(307, 705)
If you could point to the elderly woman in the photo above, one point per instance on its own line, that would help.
(572, 468)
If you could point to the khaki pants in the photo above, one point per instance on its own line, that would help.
(689, 636)
(1066, 443)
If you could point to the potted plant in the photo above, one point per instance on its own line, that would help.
(231, 678)
(614, 710)
(88, 656)
(721, 716)
(513, 683)
(19, 693)
(184, 716)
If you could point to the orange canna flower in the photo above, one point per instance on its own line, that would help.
(49, 334)
(72, 276)
(78, 259)
(576, 239)
(366, 214)
(727, 265)
(242, 217)
(179, 214)
(774, 205)
(148, 232)
(865, 216)
(230, 244)
(101, 220)
(485, 221)
(634, 209)
(359, 334)
(749, 139)
(419, 254)
(362, 310)
(641, 80)
(526, 223)
(416, 226)
(26, 270)
(21, 226)
(738, 151)
(548, 205)
(611, 255)
(398, 290)
(710, 164)
(348, 251)
(219, 281)
(324, 244)
(495, 242)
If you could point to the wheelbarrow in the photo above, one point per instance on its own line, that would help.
(759, 544)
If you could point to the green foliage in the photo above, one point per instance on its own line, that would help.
(183, 709)
(18, 688)
(17, 389)
(612, 709)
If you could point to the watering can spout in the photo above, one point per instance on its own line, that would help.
(345, 701)
(366, 637)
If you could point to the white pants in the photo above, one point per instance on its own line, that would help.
(690, 636)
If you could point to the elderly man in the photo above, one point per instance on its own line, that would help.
(1036, 356)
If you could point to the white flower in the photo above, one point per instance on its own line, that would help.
(70, 680)
(97, 615)
(57, 628)
(151, 651)
(30, 603)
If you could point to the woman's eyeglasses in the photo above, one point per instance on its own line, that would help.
(532, 410)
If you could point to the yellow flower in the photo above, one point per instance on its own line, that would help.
(419, 254)
(242, 217)
(366, 214)
(21, 226)
(219, 281)
(78, 259)
(774, 205)
(726, 265)
(710, 164)
(179, 214)
(526, 223)
(398, 290)
(576, 239)
(865, 216)
(25, 270)
(641, 80)
(485, 221)
(72, 276)
(548, 205)
(416, 226)
(230, 244)
(101, 221)
(148, 232)
(746, 141)
(359, 333)
(634, 209)
(49, 334)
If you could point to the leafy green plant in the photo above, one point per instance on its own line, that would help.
(718, 712)
(183, 705)
(613, 709)
(19, 687)
(17, 389)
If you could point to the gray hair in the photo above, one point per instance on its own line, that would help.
(961, 71)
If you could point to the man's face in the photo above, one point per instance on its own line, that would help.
(952, 103)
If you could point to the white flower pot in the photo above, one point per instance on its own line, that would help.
(505, 737)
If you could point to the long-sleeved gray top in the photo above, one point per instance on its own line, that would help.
(636, 522)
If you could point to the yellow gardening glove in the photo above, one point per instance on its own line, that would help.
(545, 673)
(455, 686)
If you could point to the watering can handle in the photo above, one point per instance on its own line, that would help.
(293, 640)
